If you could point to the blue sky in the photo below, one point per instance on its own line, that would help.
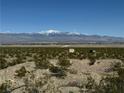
(102, 17)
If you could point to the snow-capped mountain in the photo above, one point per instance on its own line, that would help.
(53, 32)
(52, 36)
(50, 32)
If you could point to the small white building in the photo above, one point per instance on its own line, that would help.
(71, 50)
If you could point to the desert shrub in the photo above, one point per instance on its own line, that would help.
(5, 87)
(82, 56)
(112, 84)
(116, 66)
(90, 83)
(57, 71)
(91, 57)
(14, 62)
(71, 92)
(64, 62)
(3, 63)
(121, 73)
(42, 63)
(92, 61)
(34, 84)
(18, 61)
(88, 86)
(21, 72)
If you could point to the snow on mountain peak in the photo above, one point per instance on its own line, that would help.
(53, 31)
(74, 33)
(50, 32)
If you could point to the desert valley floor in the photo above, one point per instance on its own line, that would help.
(61, 69)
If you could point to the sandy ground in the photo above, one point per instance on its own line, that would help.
(78, 72)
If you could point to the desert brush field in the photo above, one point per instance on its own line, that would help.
(61, 69)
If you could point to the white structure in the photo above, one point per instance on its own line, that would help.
(71, 50)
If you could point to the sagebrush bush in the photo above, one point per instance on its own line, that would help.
(21, 72)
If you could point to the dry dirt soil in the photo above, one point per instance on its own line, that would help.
(77, 75)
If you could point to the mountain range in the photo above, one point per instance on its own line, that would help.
(53, 36)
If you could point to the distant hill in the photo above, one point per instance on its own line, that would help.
(55, 37)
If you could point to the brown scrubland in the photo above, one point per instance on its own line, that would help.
(61, 69)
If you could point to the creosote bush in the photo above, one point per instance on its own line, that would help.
(42, 63)
(5, 87)
(112, 84)
(3, 63)
(57, 71)
(64, 62)
(21, 72)
(92, 60)
(21, 54)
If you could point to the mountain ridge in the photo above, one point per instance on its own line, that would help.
(56, 36)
